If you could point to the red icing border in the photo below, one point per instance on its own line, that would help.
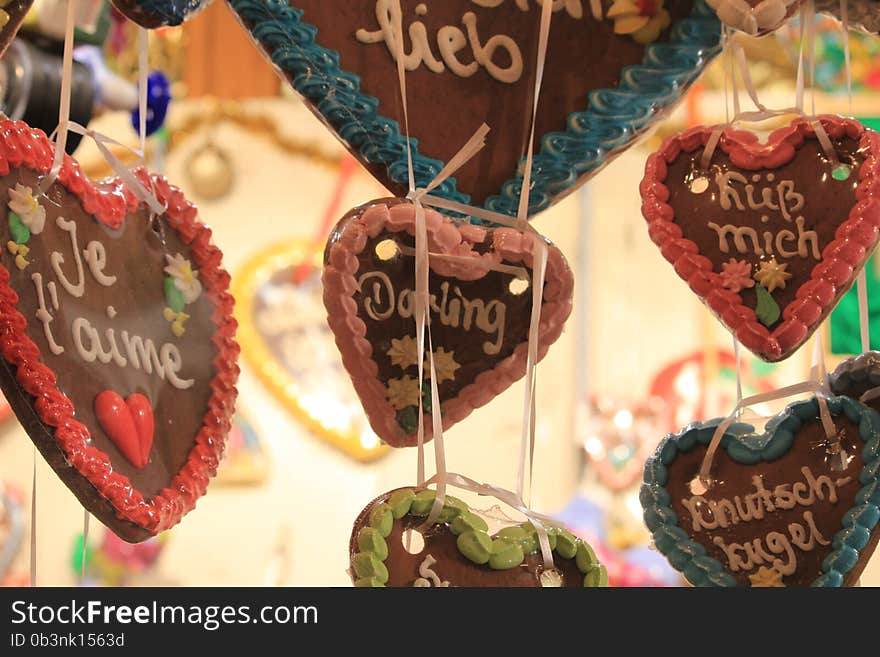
(24, 147)
(841, 260)
(444, 236)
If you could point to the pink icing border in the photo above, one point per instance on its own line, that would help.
(842, 258)
(444, 236)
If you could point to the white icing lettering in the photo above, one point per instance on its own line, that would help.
(57, 259)
(96, 258)
(43, 314)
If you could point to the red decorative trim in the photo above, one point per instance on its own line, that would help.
(24, 147)
(841, 260)
(444, 236)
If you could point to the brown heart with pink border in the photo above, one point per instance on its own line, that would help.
(480, 312)
(769, 235)
(118, 345)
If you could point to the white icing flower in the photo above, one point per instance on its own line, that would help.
(185, 279)
(23, 203)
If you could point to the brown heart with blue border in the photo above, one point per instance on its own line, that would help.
(781, 509)
(613, 69)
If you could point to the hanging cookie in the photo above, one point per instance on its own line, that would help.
(457, 550)
(119, 356)
(857, 376)
(480, 312)
(780, 510)
(612, 70)
(154, 14)
(768, 235)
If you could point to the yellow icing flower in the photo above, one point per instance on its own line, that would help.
(403, 392)
(404, 351)
(20, 252)
(767, 578)
(185, 279)
(771, 274)
(643, 20)
(177, 320)
(444, 365)
(23, 203)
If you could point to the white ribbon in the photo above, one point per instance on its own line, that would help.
(85, 547)
(421, 311)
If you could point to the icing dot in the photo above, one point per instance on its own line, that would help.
(699, 185)
(387, 250)
(111, 312)
(764, 218)
(756, 178)
(697, 486)
(518, 286)
(551, 578)
(841, 172)
(771, 177)
(421, 9)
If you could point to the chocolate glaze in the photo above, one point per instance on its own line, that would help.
(827, 205)
(136, 256)
(452, 565)
(733, 478)
(582, 55)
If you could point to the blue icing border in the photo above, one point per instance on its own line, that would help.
(744, 446)
(614, 117)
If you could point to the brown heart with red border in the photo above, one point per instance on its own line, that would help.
(479, 314)
(98, 297)
(770, 235)
(390, 546)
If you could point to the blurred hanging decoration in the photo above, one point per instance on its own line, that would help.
(113, 562)
(830, 55)
(11, 532)
(755, 17)
(862, 15)
(619, 437)
(11, 16)
(153, 14)
(701, 385)
(158, 99)
(246, 462)
(210, 171)
(284, 336)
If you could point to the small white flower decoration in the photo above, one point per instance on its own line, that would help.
(185, 279)
(23, 203)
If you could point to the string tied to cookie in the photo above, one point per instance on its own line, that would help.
(817, 385)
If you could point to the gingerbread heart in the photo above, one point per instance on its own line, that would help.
(856, 376)
(97, 295)
(613, 68)
(457, 549)
(780, 510)
(153, 14)
(479, 314)
(11, 17)
(771, 235)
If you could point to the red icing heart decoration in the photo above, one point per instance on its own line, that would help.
(771, 235)
(479, 315)
(128, 422)
(98, 296)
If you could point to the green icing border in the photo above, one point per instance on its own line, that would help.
(507, 549)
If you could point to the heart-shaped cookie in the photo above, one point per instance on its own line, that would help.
(612, 69)
(856, 376)
(11, 16)
(479, 315)
(97, 295)
(458, 550)
(772, 234)
(159, 13)
(285, 339)
(780, 510)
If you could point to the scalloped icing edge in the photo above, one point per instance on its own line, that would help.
(693, 43)
(24, 147)
(830, 278)
(688, 556)
(339, 281)
(363, 520)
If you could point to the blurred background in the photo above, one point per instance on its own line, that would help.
(640, 357)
